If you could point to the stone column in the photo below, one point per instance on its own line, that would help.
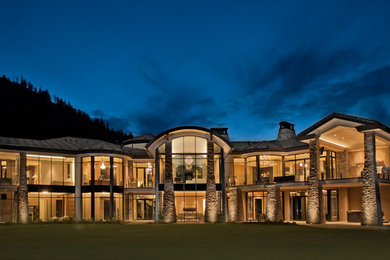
(22, 190)
(371, 201)
(314, 201)
(78, 198)
(169, 209)
(287, 216)
(273, 205)
(211, 189)
(233, 205)
(240, 205)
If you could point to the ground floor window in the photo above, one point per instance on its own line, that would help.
(139, 207)
(331, 204)
(190, 206)
(49, 206)
(100, 206)
(256, 206)
(298, 205)
(8, 207)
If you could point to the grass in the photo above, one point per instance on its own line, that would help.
(190, 241)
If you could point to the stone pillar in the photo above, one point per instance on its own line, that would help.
(240, 206)
(314, 201)
(169, 209)
(78, 197)
(111, 206)
(233, 205)
(371, 201)
(287, 216)
(22, 190)
(273, 205)
(211, 189)
(156, 187)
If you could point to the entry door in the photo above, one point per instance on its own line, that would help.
(59, 208)
(106, 209)
(297, 208)
(144, 209)
(258, 208)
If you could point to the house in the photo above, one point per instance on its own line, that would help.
(335, 170)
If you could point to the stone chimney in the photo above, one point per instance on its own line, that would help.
(222, 131)
(286, 131)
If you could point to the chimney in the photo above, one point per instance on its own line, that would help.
(286, 131)
(222, 131)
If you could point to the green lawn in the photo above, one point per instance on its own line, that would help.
(196, 241)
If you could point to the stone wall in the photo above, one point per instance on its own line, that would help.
(232, 205)
(314, 200)
(273, 204)
(371, 201)
(22, 190)
(211, 214)
(169, 209)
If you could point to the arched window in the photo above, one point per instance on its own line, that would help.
(189, 160)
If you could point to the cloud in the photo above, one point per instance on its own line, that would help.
(172, 102)
(313, 84)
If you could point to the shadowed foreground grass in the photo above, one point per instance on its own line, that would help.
(225, 241)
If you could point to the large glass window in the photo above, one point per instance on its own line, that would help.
(238, 177)
(8, 172)
(256, 206)
(251, 170)
(7, 207)
(50, 170)
(270, 167)
(190, 206)
(47, 206)
(189, 160)
(298, 166)
(101, 169)
(102, 206)
(328, 165)
(143, 174)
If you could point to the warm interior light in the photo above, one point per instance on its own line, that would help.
(45, 192)
(102, 166)
(301, 164)
(332, 142)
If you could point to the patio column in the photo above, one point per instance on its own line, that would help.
(78, 200)
(371, 201)
(211, 188)
(169, 209)
(314, 200)
(22, 190)
(233, 205)
(240, 206)
(273, 205)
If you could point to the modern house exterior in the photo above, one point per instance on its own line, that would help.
(335, 170)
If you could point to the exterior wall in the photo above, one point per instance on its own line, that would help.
(343, 204)
(385, 197)
(355, 198)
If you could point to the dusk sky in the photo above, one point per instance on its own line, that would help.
(146, 66)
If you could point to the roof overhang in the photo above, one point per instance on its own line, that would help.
(198, 131)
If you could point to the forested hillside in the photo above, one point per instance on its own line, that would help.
(28, 112)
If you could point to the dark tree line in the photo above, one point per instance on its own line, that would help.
(28, 112)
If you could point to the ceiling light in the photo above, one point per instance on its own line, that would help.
(102, 166)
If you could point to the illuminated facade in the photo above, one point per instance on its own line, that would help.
(335, 170)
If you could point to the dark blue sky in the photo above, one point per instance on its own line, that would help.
(150, 66)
